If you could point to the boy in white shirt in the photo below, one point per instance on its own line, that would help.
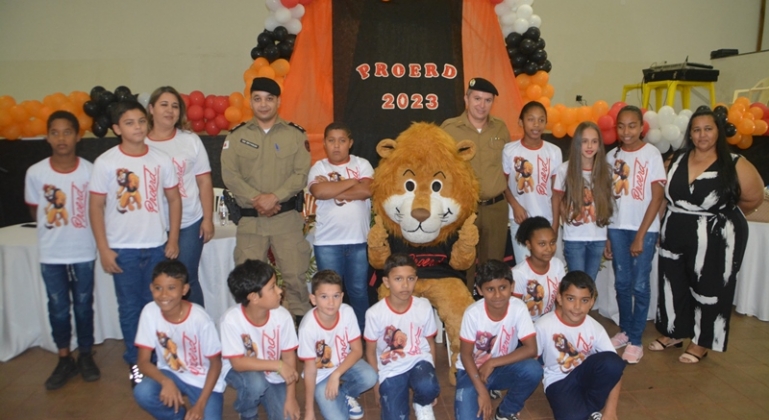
(488, 358)
(128, 224)
(400, 330)
(582, 369)
(329, 344)
(259, 344)
(187, 345)
(56, 191)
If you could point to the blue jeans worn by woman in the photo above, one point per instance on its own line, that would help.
(356, 380)
(584, 256)
(394, 391)
(631, 280)
(61, 280)
(350, 262)
(147, 395)
(253, 390)
(519, 379)
(190, 249)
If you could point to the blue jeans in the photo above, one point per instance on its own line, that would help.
(394, 391)
(586, 389)
(356, 380)
(61, 280)
(631, 281)
(350, 262)
(584, 256)
(253, 390)
(147, 395)
(190, 248)
(132, 288)
(519, 379)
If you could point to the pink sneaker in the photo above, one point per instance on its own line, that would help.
(633, 354)
(620, 340)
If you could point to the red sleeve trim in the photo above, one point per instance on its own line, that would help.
(349, 340)
(530, 335)
(171, 188)
(214, 355)
(560, 191)
(203, 173)
(97, 193)
(30, 204)
(291, 349)
(517, 295)
(144, 347)
(432, 335)
(662, 181)
(466, 340)
(235, 356)
(369, 340)
(306, 359)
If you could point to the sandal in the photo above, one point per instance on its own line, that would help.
(691, 358)
(659, 345)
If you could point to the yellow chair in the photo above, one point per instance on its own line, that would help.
(670, 87)
(629, 88)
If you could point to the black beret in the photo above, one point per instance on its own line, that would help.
(264, 84)
(482, 85)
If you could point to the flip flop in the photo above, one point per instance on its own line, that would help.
(658, 345)
(691, 358)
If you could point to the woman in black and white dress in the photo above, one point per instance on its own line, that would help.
(703, 239)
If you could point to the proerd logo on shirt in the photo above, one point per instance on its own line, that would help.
(79, 206)
(640, 173)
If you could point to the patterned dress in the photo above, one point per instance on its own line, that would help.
(702, 244)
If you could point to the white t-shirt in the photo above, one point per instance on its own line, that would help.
(400, 337)
(327, 348)
(341, 222)
(583, 227)
(134, 186)
(633, 174)
(63, 233)
(529, 176)
(494, 338)
(182, 348)
(564, 347)
(190, 159)
(538, 290)
(241, 338)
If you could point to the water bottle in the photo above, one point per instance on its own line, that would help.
(223, 213)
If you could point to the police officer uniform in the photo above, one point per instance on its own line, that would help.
(487, 165)
(256, 162)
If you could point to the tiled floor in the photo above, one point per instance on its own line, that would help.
(732, 385)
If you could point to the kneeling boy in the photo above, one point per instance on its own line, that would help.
(488, 358)
(582, 369)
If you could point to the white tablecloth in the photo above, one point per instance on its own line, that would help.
(24, 311)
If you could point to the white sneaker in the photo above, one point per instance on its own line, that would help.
(424, 412)
(354, 410)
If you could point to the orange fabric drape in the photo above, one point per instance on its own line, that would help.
(308, 94)
(485, 55)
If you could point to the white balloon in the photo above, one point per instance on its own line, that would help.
(513, 4)
(686, 113)
(507, 30)
(670, 132)
(520, 25)
(297, 12)
(273, 5)
(294, 26)
(282, 15)
(270, 23)
(663, 146)
(535, 21)
(678, 142)
(525, 11)
(652, 118)
(508, 19)
(501, 9)
(681, 122)
(666, 115)
(653, 136)
(144, 99)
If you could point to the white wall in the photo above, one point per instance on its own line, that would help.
(596, 46)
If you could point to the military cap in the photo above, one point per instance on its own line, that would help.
(482, 85)
(265, 84)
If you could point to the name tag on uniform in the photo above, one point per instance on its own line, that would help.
(248, 143)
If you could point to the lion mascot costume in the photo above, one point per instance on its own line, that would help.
(425, 195)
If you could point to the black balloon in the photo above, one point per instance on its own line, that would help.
(105, 98)
(96, 91)
(513, 39)
(730, 129)
(264, 39)
(512, 52)
(271, 53)
(538, 56)
(125, 97)
(531, 68)
(280, 33)
(256, 52)
(547, 66)
(122, 90)
(285, 50)
(291, 38)
(532, 33)
(527, 46)
(720, 109)
(541, 44)
(103, 120)
(98, 129)
(518, 61)
(517, 71)
(91, 108)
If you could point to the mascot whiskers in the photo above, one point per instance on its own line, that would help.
(425, 195)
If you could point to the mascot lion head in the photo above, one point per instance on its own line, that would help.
(424, 187)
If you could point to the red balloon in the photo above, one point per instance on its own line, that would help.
(609, 137)
(209, 113)
(618, 105)
(645, 129)
(221, 103)
(761, 106)
(221, 122)
(304, 2)
(197, 98)
(195, 112)
(186, 99)
(198, 126)
(613, 112)
(209, 102)
(212, 129)
(288, 4)
(606, 122)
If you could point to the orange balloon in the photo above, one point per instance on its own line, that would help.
(19, 114)
(247, 113)
(85, 122)
(523, 80)
(237, 99)
(540, 78)
(12, 132)
(5, 118)
(746, 142)
(516, 133)
(559, 131)
(569, 117)
(743, 101)
(544, 100)
(561, 108)
(733, 140)
(6, 102)
(36, 127)
(267, 72)
(734, 116)
(748, 115)
(70, 107)
(44, 113)
(600, 108)
(746, 127)
(249, 76)
(571, 129)
(259, 62)
(738, 107)
(548, 91)
(761, 127)
(757, 112)
(32, 107)
(554, 115)
(280, 66)
(78, 97)
(584, 113)
(533, 92)
(232, 114)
